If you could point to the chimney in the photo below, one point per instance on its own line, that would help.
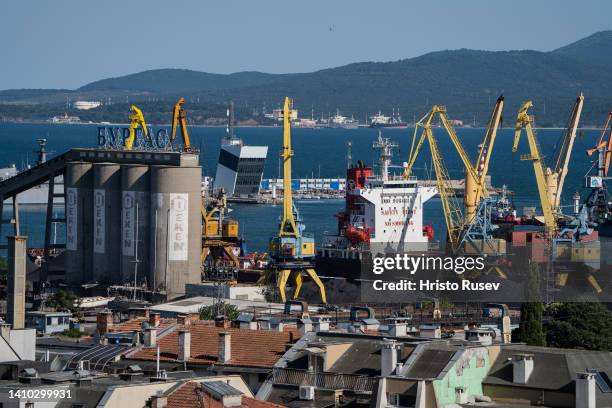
(225, 347)
(184, 345)
(185, 320)
(159, 400)
(221, 321)
(397, 329)
(321, 323)
(304, 325)
(104, 321)
(15, 312)
(154, 320)
(506, 330)
(389, 357)
(522, 367)
(460, 395)
(585, 390)
(150, 337)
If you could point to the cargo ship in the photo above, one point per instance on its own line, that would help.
(383, 213)
(343, 122)
(384, 121)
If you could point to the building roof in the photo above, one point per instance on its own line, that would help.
(136, 325)
(553, 368)
(195, 395)
(250, 348)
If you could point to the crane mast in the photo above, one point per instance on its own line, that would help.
(292, 252)
(136, 119)
(179, 120)
(525, 121)
(288, 226)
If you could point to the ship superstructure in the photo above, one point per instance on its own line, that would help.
(240, 167)
(382, 213)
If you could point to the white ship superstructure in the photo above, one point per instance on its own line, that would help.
(240, 167)
(383, 213)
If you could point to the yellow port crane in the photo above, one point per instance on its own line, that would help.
(525, 121)
(179, 119)
(475, 186)
(136, 119)
(453, 215)
(292, 252)
(550, 181)
(555, 177)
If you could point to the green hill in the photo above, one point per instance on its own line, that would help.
(467, 81)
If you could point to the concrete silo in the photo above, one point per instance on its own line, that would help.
(175, 228)
(135, 200)
(79, 222)
(106, 222)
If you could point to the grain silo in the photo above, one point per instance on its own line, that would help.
(135, 234)
(106, 222)
(79, 220)
(175, 219)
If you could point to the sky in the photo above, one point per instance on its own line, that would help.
(69, 43)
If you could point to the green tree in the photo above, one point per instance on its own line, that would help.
(64, 300)
(230, 312)
(532, 311)
(579, 325)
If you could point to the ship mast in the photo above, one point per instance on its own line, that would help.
(386, 147)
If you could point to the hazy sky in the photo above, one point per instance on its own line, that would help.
(68, 43)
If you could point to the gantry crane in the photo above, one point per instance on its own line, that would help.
(291, 251)
(550, 181)
(136, 119)
(525, 121)
(475, 186)
(178, 118)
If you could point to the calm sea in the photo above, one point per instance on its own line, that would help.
(318, 153)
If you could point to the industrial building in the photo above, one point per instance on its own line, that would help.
(132, 217)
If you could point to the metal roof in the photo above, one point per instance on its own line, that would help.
(220, 389)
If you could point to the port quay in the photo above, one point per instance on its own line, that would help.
(266, 205)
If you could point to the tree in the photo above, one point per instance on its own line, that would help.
(64, 300)
(532, 311)
(230, 312)
(579, 325)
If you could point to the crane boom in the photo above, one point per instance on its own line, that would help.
(179, 119)
(525, 121)
(556, 176)
(605, 146)
(288, 226)
(136, 119)
(475, 188)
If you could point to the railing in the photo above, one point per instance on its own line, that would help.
(323, 380)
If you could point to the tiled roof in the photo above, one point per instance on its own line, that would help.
(190, 395)
(136, 325)
(249, 348)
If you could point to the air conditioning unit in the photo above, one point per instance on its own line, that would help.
(307, 392)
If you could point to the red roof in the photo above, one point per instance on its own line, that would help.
(190, 395)
(136, 324)
(249, 348)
